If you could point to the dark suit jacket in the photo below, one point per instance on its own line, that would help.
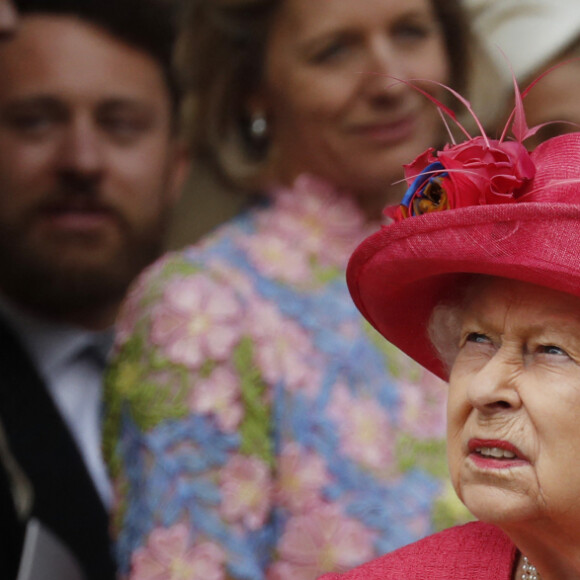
(65, 498)
(11, 529)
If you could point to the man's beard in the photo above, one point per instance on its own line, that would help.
(51, 284)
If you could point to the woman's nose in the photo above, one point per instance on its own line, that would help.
(495, 386)
(384, 70)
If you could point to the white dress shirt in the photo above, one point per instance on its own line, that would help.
(74, 380)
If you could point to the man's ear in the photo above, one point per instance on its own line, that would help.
(180, 165)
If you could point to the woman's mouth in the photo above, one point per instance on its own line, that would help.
(495, 454)
(387, 133)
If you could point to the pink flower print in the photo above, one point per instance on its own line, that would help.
(326, 224)
(302, 477)
(324, 540)
(423, 407)
(168, 556)
(364, 429)
(226, 273)
(246, 491)
(196, 320)
(283, 350)
(420, 524)
(219, 395)
(132, 309)
(278, 258)
(128, 317)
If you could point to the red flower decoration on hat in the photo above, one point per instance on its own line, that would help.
(478, 171)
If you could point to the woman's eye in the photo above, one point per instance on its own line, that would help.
(330, 52)
(414, 29)
(551, 350)
(477, 337)
(475, 342)
(414, 32)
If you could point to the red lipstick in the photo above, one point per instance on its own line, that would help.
(495, 454)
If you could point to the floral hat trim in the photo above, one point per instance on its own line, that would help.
(478, 171)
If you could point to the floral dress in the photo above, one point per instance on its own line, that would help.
(256, 426)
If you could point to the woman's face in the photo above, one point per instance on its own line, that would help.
(514, 405)
(330, 95)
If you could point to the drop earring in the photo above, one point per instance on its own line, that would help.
(258, 126)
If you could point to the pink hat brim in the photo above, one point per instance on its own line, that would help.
(398, 275)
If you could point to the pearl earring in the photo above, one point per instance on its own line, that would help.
(258, 126)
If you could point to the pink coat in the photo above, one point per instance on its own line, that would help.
(475, 551)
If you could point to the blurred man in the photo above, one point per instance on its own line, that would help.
(9, 474)
(90, 166)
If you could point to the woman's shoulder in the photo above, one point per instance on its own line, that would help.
(211, 252)
(474, 551)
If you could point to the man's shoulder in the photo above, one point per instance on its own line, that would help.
(474, 551)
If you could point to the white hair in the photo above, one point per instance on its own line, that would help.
(444, 328)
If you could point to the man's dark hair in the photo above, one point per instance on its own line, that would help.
(148, 25)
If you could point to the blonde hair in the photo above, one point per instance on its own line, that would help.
(221, 56)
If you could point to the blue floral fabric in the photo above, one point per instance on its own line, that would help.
(256, 426)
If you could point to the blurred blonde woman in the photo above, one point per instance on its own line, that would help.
(256, 427)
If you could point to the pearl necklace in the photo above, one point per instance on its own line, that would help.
(529, 571)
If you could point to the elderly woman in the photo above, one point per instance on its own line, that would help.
(486, 294)
(256, 426)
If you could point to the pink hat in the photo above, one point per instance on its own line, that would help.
(484, 207)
